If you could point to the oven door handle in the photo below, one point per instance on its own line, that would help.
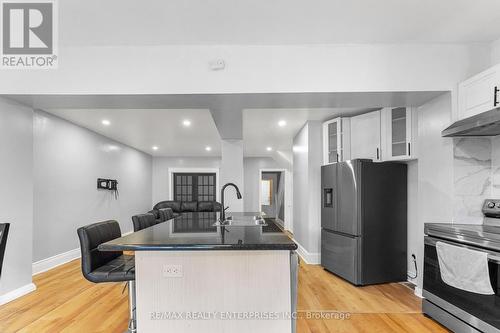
(492, 256)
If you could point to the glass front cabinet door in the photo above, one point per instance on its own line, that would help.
(336, 140)
(399, 131)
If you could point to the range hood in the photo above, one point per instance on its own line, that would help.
(483, 124)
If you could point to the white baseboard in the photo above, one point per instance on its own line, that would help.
(418, 292)
(59, 259)
(309, 258)
(16, 293)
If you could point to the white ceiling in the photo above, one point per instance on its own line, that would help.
(130, 22)
(143, 129)
(261, 129)
(144, 121)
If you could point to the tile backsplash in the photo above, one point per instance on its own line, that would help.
(476, 168)
(495, 167)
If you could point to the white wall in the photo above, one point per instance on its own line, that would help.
(16, 194)
(301, 187)
(307, 160)
(250, 69)
(161, 181)
(314, 194)
(495, 52)
(231, 171)
(435, 173)
(68, 160)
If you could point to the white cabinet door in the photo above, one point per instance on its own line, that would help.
(397, 133)
(336, 145)
(479, 93)
(365, 136)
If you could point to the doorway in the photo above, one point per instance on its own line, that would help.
(272, 195)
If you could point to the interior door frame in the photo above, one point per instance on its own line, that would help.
(172, 171)
(284, 172)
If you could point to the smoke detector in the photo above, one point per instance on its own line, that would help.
(217, 64)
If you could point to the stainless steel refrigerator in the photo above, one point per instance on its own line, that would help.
(364, 221)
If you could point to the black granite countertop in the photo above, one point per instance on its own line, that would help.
(196, 231)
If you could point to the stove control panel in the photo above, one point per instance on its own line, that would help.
(491, 208)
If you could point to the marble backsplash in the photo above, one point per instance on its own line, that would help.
(495, 167)
(476, 176)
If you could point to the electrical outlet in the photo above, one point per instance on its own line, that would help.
(172, 271)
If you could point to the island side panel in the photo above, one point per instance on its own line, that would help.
(219, 282)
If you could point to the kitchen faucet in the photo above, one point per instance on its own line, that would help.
(223, 210)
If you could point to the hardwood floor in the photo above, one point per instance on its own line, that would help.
(380, 308)
(65, 302)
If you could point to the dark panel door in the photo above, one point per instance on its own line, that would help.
(348, 187)
(329, 196)
(195, 186)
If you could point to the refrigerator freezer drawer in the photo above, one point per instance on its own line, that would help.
(340, 255)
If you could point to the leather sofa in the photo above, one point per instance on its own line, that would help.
(179, 207)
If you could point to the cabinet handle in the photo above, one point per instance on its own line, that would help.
(495, 96)
(338, 160)
(378, 154)
(409, 149)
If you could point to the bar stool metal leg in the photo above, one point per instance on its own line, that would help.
(132, 324)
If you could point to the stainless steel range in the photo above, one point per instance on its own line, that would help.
(457, 309)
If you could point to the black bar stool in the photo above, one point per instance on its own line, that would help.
(156, 214)
(143, 221)
(4, 232)
(166, 214)
(101, 266)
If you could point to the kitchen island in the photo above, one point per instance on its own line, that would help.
(194, 276)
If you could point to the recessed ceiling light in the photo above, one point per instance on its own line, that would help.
(269, 148)
(186, 123)
(154, 147)
(282, 123)
(106, 122)
(208, 148)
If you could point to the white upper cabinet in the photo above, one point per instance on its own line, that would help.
(365, 136)
(399, 129)
(336, 140)
(480, 93)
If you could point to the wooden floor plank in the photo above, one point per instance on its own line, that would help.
(65, 302)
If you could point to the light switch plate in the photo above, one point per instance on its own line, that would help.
(172, 271)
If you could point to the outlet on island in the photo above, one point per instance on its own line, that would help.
(172, 271)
